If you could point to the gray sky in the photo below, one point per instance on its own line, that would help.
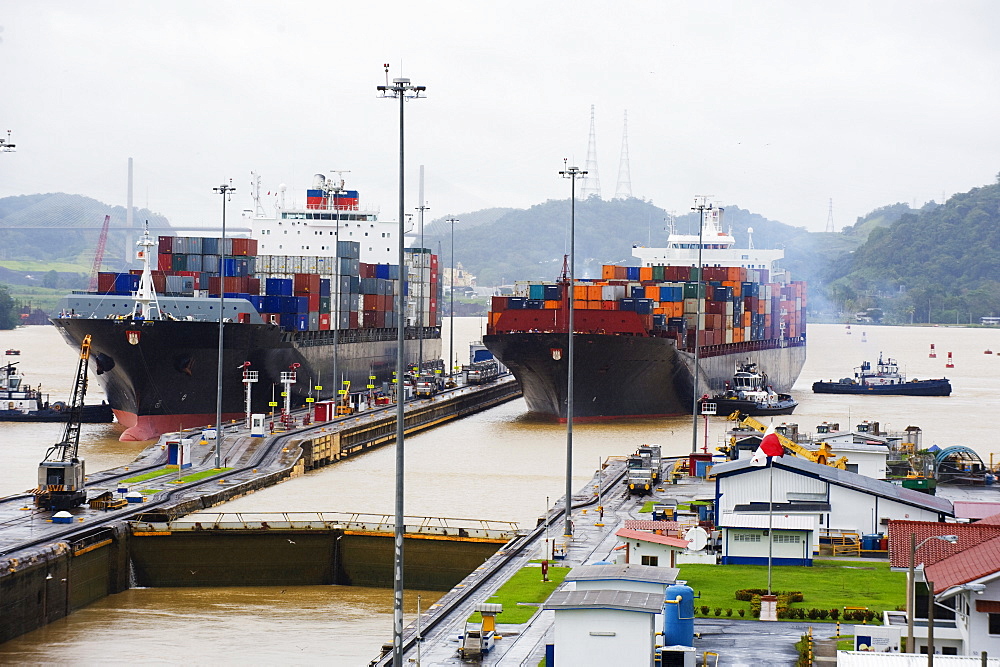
(772, 106)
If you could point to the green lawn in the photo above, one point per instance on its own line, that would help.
(202, 475)
(826, 585)
(153, 474)
(525, 586)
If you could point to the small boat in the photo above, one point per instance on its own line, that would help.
(22, 403)
(886, 380)
(12, 352)
(750, 393)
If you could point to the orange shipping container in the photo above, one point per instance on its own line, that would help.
(594, 293)
(552, 305)
(580, 292)
(645, 273)
(579, 305)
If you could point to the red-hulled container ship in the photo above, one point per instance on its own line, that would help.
(636, 328)
(311, 283)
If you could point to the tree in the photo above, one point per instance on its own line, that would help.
(51, 280)
(8, 311)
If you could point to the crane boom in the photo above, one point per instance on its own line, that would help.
(102, 242)
(822, 455)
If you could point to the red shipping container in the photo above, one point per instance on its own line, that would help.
(306, 284)
(313, 303)
(253, 285)
(164, 262)
(165, 244)
(241, 247)
(499, 304)
(353, 319)
(324, 322)
(106, 282)
(369, 302)
(252, 250)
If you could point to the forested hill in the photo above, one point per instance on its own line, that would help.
(939, 264)
(529, 244)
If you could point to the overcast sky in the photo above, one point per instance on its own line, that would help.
(776, 107)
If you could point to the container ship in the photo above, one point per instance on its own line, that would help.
(637, 328)
(312, 289)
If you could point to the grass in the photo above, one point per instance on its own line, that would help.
(525, 586)
(149, 492)
(202, 475)
(826, 585)
(153, 474)
(647, 507)
(846, 644)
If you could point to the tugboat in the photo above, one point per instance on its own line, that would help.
(750, 393)
(12, 352)
(22, 403)
(884, 380)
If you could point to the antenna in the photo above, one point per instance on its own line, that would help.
(829, 218)
(624, 188)
(592, 183)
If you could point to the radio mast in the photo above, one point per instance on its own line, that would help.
(624, 188)
(592, 183)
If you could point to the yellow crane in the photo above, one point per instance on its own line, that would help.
(822, 455)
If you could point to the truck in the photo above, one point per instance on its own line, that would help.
(425, 386)
(640, 474)
(655, 460)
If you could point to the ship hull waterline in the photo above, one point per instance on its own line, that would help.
(628, 377)
(160, 376)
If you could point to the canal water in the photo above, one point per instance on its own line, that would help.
(500, 464)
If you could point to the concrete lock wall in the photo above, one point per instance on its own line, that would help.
(299, 558)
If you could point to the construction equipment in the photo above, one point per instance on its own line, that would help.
(102, 241)
(343, 405)
(822, 454)
(61, 476)
(478, 640)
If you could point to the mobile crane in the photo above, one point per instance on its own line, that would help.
(61, 476)
(822, 455)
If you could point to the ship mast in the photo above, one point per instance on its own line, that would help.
(145, 298)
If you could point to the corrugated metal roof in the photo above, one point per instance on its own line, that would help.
(968, 509)
(650, 603)
(842, 478)
(778, 521)
(642, 536)
(626, 572)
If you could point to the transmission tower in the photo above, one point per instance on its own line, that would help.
(592, 183)
(829, 218)
(624, 188)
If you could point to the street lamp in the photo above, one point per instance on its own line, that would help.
(911, 594)
(226, 190)
(402, 90)
(572, 173)
(420, 301)
(701, 208)
(451, 307)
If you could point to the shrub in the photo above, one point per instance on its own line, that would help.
(718, 611)
(834, 614)
(742, 612)
(813, 614)
(729, 612)
(704, 610)
(823, 613)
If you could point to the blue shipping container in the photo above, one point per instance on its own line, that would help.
(536, 292)
(552, 293)
(627, 304)
(632, 272)
(278, 287)
(515, 303)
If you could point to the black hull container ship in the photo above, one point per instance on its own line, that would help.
(635, 329)
(155, 333)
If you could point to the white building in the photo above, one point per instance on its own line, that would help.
(745, 539)
(965, 577)
(837, 501)
(630, 577)
(604, 627)
(646, 548)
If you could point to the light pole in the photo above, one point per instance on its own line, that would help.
(336, 190)
(701, 208)
(402, 90)
(451, 306)
(572, 173)
(226, 190)
(911, 595)
(420, 300)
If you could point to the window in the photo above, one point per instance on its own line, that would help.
(746, 537)
(994, 624)
(651, 560)
(787, 539)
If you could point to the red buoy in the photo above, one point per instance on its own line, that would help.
(950, 364)
(933, 354)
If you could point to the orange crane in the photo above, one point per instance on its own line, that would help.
(102, 241)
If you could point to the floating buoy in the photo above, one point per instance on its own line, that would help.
(950, 363)
(933, 354)
(988, 351)
(848, 329)
(863, 339)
